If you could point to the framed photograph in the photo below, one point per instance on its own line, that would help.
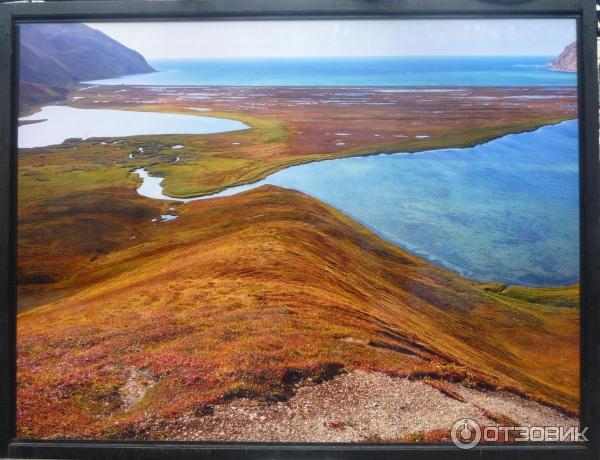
(333, 228)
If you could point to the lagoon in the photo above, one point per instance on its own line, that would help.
(504, 211)
(60, 123)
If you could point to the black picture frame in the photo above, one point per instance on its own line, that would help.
(584, 11)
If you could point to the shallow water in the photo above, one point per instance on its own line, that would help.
(62, 123)
(505, 211)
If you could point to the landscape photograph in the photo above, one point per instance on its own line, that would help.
(297, 230)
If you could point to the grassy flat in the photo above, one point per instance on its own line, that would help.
(291, 126)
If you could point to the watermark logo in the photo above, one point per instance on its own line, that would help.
(466, 433)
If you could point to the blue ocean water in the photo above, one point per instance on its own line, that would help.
(391, 71)
(504, 211)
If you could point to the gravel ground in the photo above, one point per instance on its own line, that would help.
(137, 385)
(522, 411)
(357, 407)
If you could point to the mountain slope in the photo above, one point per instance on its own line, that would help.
(36, 94)
(247, 295)
(567, 60)
(59, 54)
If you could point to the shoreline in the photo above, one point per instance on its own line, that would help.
(57, 125)
(445, 140)
(207, 195)
(421, 255)
(151, 187)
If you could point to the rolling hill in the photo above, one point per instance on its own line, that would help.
(249, 295)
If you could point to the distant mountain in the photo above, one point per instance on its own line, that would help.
(567, 60)
(59, 54)
(53, 56)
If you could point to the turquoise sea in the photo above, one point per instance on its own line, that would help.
(391, 71)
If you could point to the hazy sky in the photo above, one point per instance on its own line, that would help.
(427, 37)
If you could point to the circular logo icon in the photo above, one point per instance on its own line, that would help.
(465, 433)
